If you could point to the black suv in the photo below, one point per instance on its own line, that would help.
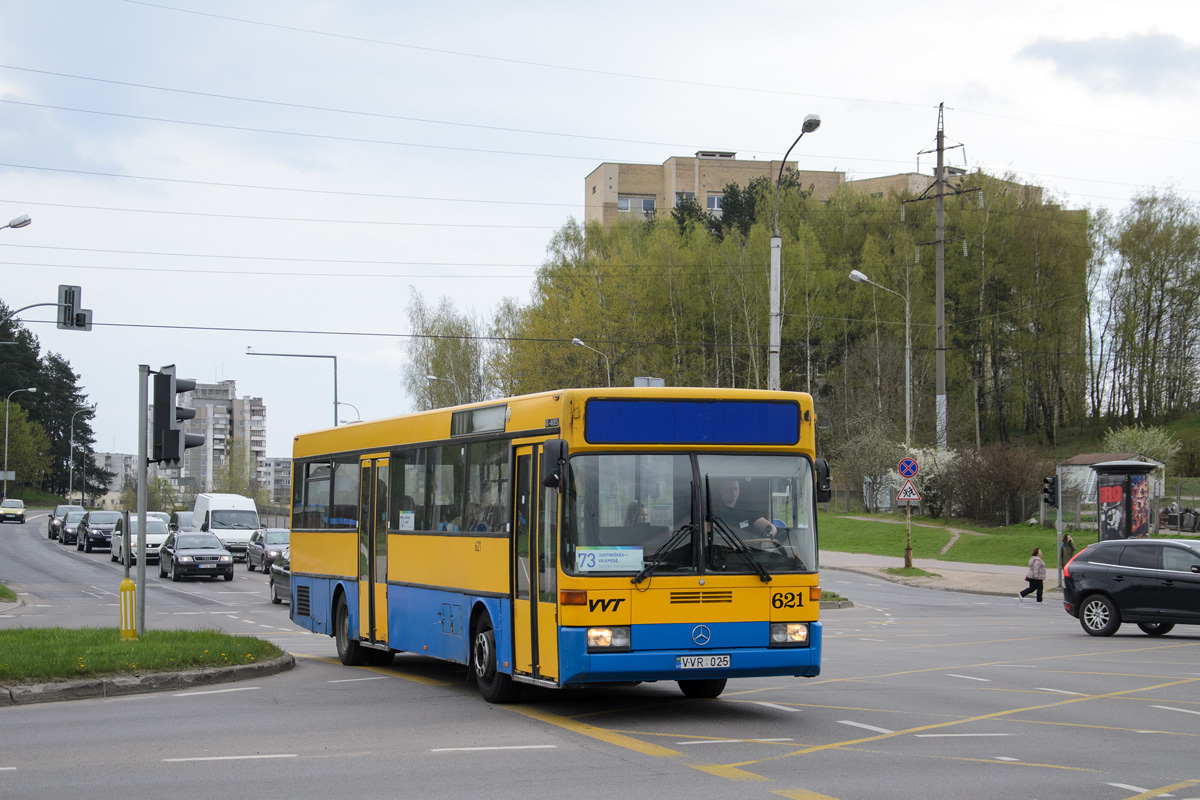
(1152, 582)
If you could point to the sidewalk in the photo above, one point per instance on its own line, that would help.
(951, 576)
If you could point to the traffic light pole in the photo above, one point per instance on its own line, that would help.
(1058, 507)
(140, 596)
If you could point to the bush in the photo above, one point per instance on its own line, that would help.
(985, 485)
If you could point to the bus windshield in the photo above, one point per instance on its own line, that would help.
(674, 514)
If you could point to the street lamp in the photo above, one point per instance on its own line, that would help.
(457, 392)
(71, 457)
(811, 123)
(250, 352)
(10, 394)
(356, 411)
(580, 343)
(19, 222)
(859, 277)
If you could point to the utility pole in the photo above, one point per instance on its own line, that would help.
(940, 321)
(939, 193)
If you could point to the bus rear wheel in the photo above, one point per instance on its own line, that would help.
(349, 653)
(705, 689)
(494, 685)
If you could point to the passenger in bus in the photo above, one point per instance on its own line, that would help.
(729, 490)
(636, 512)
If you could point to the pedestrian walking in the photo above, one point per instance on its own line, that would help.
(1068, 550)
(1036, 576)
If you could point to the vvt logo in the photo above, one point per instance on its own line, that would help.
(605, 604)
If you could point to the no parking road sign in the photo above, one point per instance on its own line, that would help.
(908, 468)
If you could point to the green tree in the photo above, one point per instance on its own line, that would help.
(160, 496)
(448, 346)
(1154, 292)
(27, 448)
(1154, 442)
(237, 474)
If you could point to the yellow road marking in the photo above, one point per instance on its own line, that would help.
(980, 718)
(1164, 790)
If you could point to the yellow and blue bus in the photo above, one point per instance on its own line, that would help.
(569, 538)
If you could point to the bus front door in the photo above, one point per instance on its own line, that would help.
(372, 550)
(535, 564)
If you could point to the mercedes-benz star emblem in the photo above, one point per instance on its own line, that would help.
(701, 634)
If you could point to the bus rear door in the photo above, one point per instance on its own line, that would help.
(373, 550)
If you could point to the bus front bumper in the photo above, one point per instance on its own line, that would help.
(674, 664)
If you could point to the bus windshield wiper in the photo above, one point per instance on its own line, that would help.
(727, 533)
(684, 530)
(738, 546)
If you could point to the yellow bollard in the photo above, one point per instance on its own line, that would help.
(128, 592)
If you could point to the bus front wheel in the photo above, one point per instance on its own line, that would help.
(706, 689)
(349, 653)
(494, 685)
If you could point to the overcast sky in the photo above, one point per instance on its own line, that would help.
(220, 175)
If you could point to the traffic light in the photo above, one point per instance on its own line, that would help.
(1050, 491)
(169, 438)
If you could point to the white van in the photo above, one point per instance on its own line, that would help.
(231, 517)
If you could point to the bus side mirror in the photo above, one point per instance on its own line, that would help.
(554, 463)
(824, 488)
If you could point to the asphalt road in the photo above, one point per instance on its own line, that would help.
(923, 694)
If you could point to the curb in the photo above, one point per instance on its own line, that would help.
(116, 686)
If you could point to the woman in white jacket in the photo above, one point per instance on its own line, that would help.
(1036, 576)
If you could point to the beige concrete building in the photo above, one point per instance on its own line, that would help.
(614, 190)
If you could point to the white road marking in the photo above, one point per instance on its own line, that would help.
(229, 758)
(355, 680)
(8, 769)
(1061, 691)
(968, 677)
(958, 735)
(864, 726)
(218, 691)
(1130, 788)
(1006, 758)
(772, 705)
(509, 747)
(1170, 708)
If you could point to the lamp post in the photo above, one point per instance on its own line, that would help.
(6, 401)
(811, 123)
(580, 343)
(250, 352)
(71, 457)
(458, 398)
(356, 412)
(19, 222)
(859, 277)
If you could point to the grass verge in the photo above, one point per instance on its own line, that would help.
(56, 654)
(7, 595)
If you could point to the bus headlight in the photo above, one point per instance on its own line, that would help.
(789, 634)
(607, 640)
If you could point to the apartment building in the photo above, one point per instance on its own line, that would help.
(613, 191)
(222, 418)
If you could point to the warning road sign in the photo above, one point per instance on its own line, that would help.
(908, 494)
